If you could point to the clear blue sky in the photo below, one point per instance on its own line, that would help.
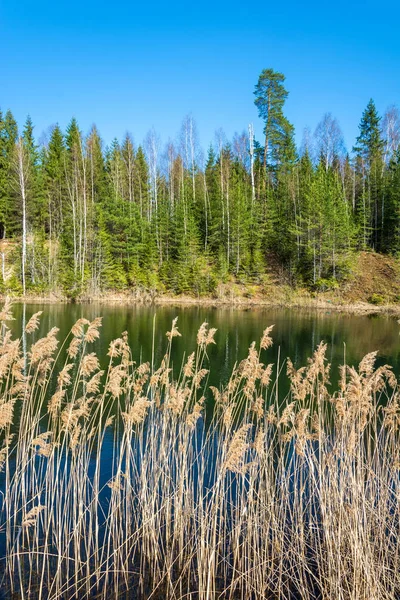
(134, 65)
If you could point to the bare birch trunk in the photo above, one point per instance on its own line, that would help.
(3, 258)
(205, 211)
(84, 232)
(253, 188)
(22, 179)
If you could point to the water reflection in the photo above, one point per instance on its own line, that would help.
(296, 333)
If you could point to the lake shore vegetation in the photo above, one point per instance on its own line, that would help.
(226, 492)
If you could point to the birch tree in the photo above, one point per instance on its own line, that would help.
(21, 172)
(390, 127)
(329, 141)
(8, 138)
(251, 152)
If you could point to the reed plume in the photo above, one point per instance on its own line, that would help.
(145, 482)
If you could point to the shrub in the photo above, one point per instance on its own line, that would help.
(376, 299)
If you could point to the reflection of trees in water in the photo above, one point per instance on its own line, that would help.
(296, 333)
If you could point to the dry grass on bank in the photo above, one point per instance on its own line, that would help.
(116, 484)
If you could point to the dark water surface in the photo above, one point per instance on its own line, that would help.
(296, 333)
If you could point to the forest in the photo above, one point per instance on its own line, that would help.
(77, 216)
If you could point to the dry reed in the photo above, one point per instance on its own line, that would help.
(113, 485)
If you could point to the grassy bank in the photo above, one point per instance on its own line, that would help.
(131, 483)
(282, 298)
(371, 286)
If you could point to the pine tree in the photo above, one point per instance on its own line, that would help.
(270, 97)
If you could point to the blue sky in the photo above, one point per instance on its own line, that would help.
(131, 66)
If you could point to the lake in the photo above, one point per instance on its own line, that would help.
(296, 333)
(103, 496)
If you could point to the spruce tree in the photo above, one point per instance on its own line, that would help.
(8, 139)
(53, 165)
(36, 209)
(369, 168)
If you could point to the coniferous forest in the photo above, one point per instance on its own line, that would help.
(78, 217)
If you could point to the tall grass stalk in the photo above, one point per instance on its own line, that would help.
(126, 483)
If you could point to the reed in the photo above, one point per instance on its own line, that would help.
(126, 483)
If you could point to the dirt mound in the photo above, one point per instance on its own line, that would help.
(375, 278)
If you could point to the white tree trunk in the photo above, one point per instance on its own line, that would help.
(22, 178)
(253, 188)
(3, 258)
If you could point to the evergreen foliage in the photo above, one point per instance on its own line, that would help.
(100, 218)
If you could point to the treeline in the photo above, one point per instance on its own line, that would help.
(78, 217)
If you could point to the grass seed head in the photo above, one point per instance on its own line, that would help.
(64, 377)
(33, 323)
(7, 413)
(55, 402)
(136, 413)
(266, 340)
(93, 385)
(188, 368)
(237, 449)
(195, 415)
(6, 313)
(89, 364)
(74, 346)
(31, 517)
(77, 329)
(45, 347)
(92, 332)
(174, 330)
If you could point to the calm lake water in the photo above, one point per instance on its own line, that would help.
(296, 333)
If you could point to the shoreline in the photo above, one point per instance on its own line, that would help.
(318, 303)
